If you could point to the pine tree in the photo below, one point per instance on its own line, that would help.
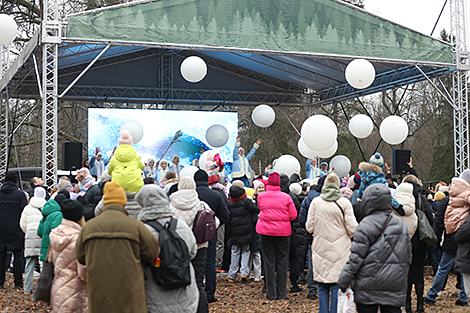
(163, 29)
(193, 31)
(140, 27)
(301, 22)
(247, 32)
(212, 32)
(311, 38)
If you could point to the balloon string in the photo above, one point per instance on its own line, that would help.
(357, 141)
(290, 121)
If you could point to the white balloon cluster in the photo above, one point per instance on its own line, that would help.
(8, 29)
(319, 134)
(193, 69)
(341, 164)
(134, 128)
(217, 135)
(360, 73)
(361, 126)
(394, 130)
(263, 116)
(286, 164)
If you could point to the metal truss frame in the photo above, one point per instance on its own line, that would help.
(460, 85)
(50, 40)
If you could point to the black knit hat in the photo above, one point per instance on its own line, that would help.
(59, 198)
(72, 210)
(201, 175)
(11, 176)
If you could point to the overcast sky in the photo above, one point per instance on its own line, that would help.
(419, 15)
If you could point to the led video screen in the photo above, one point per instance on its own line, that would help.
(159, 128)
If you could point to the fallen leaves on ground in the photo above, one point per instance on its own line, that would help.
(242, 297)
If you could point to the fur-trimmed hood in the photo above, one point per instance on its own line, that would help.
(368, 167)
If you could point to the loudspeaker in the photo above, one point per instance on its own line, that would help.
(400, 161)
(71, 156)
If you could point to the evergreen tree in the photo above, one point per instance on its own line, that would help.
(193, 31)
(247, 32)
(163, 29)
(301, 22)
(212, 32)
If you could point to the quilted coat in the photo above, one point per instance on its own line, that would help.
(180, 300)
(331, 235)
(52, 217)
(185, 204)
(241, 216)
(29, 223)
(404, 195)
(377, 268)
(68, 292)
(459, 207)
(277, 210)
(126, 168)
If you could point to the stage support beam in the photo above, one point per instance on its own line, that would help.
(50, 39)
(460, 85)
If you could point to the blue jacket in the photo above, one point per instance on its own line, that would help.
(94, 168)
(241, 165)
(176, 168)
(312, 194)
(311, 171)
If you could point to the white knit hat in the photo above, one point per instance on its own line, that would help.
(126, 138)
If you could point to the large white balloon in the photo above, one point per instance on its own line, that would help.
(394, 130)
(263, 115)
(360, 73)
(328, 152)
(217, 135)
(8, 29)
(361, 126)
(134, 128)
(188, 171)
(305, 150)
(193, 69)
(341, 164)
(287, 164)
(203, 160)
(319, 132)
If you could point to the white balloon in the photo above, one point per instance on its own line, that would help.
(134, 128)
(361, 126)
(328, 152)
(305, 150)
(203, 160)
(319, 132)
(193, 69)
(188, 171)
(287, 164)
(217, 136)
(8, 29)
(263, 115)
(341, 164)
(360, 73)
(394, 130)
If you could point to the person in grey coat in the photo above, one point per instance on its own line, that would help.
(156, 206)
(462, 261)
(377, 269)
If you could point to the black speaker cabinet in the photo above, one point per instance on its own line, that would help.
(71, 156)
(400, 161)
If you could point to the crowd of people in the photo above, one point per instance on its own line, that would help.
(364, 231)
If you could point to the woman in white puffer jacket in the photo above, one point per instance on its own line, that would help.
(404, 195)
(29, 222)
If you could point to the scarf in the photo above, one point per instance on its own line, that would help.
(330, 192)
(239, 198)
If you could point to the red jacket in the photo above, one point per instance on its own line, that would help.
(276, 211)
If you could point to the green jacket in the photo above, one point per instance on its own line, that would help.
(52, 217)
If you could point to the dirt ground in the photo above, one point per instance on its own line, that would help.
(241, 297)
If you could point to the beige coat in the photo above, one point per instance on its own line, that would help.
(408, 202)
(331, 237)
(68, 291)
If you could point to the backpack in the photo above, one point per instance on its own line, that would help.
(204, 227)
(171, 269)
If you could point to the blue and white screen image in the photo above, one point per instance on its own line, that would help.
(159, 128)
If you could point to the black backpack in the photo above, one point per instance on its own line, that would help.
(171, 270)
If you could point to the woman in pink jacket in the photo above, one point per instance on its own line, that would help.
(277, 210)
(68, 292)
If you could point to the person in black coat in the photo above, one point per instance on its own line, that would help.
(12, 203)
(242, 210)
(462, 261)
(419, 249)
(218, 205)
(295, 238)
